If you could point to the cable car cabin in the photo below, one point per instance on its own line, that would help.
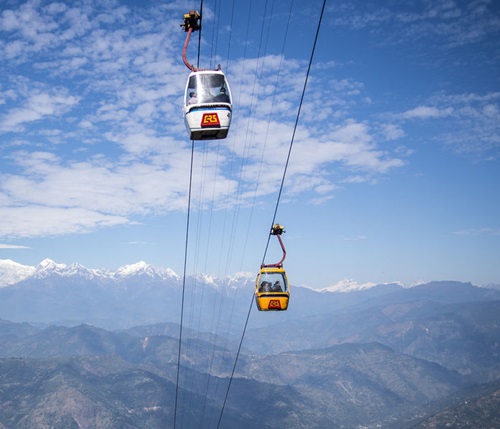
(272, 289)
(207, 105)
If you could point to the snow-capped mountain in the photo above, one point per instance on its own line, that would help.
(12, 272)
(349, 285)
(143, 268)
(140, 293)
(48, 268)
(241, 278)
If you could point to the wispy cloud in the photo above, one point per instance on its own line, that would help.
(439, 22)
(356, 238)
(12, 246)
(478, 231)
(426, 112)
(32, 221)
(472, 125)
(37, 107)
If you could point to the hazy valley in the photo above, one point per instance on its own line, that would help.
(86, 349)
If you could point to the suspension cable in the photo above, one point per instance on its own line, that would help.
(234, 365)
(277, 201)
(183, 284)
(271, 111)
(185, 253)
(295, 126)
(274, 217)
(199, 33)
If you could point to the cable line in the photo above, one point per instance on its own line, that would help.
(273, 100)
(218, 306)
(183, 284)
(277, 201)
(296, 124)
(234, 365)
(265, 252)
(185, 256)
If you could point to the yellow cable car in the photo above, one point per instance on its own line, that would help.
(272, 290)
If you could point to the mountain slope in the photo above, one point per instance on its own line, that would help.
(330, 383)
(474, 408)
(462, 337)
(387, 384)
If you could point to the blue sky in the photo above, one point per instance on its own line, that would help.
(394, 172)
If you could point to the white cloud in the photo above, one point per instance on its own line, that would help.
(441, 22)
(36, 107)
(478, 231)
(102, 102)
(105, 187)
(392, 131)
(356, 238)
(472, 125)
(32, 221)
(12, 246)
(426, 112)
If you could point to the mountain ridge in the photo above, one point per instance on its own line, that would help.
(140, 293)
(12, 272)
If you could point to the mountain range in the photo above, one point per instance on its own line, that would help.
(94, 348)
(12, 272)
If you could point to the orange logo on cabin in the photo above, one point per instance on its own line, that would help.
(210, 120)
(274, 304)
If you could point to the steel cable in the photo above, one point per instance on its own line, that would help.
(277, 201)
(273, 221)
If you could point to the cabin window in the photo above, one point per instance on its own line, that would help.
(207, 88)
(272, 282)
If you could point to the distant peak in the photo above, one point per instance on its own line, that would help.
(143, 268)
(45, 263)
(129, 269)
(348, 285)
(48, 264)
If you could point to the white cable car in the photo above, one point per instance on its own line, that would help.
(207, 101)
(207, 105)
